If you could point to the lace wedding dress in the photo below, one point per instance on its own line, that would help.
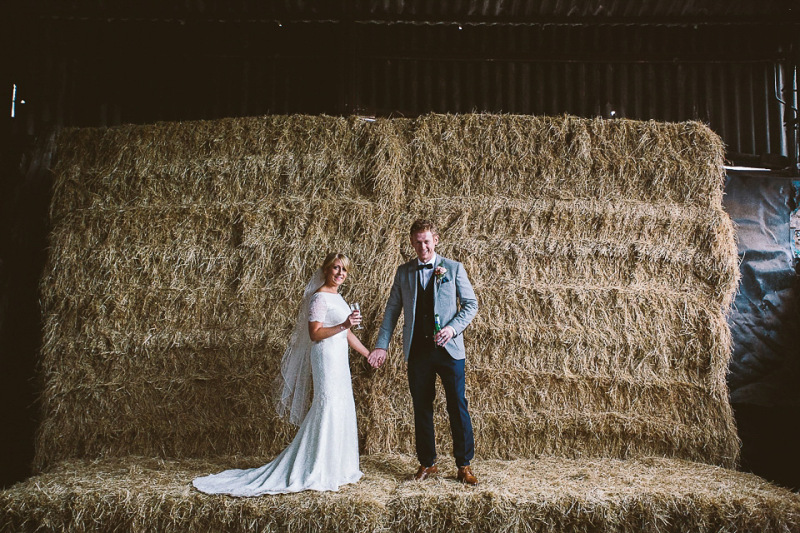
(324, 453)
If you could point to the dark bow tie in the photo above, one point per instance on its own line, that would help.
(426, 265)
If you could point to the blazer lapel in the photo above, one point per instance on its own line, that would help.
(412, 283)
(439, 262)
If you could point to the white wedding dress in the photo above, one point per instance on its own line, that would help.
(324, 453)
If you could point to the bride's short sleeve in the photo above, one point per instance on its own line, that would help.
(317, 308)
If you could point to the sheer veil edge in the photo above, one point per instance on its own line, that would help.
(293, 384)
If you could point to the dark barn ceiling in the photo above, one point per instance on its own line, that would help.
(105, 62)
(485, 11)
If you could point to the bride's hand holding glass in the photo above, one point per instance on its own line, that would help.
(354, 319)
(356, 308)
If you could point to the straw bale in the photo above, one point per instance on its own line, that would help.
(588, 495)
(548, 241)
(197, 313)
(602, 260)
(144, 494)
(499, 155)
(572, 416)
(600, 254)
(567, 158)
(550, 494)
(679, 162)
(229, 160)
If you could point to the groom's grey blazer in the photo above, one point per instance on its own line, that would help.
(452, 289)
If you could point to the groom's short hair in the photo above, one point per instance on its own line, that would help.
(422, 225)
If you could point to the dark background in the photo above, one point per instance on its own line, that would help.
(729, 63)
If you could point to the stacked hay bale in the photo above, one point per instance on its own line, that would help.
(549, 495)
(603, 265)
(599, 251)
(178, 257)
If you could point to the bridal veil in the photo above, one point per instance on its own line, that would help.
(293, 385)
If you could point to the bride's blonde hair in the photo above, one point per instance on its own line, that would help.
(332, 257)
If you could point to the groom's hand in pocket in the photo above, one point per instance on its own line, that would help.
(376, 357)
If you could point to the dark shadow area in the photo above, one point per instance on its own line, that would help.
(770, 442)
(24, 202)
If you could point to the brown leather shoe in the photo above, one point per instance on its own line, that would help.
(425, 472)
(465, 475)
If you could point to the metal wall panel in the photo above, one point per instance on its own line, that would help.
(82, 72)
(736, 99)
(452, 10)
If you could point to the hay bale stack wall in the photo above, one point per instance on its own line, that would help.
(599, 251)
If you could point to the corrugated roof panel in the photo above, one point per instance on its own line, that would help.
(422, 10)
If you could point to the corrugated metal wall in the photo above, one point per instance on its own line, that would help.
(715, 74)
(737, 99)
(394, 10)
(79, 70)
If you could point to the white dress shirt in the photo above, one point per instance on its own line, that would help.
(426, 273)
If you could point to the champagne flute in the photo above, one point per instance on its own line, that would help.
(355, 306)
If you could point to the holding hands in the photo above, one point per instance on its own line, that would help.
(376, 357)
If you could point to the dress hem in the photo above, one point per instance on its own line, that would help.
(331, 488)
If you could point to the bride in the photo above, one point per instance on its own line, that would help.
(324, 453)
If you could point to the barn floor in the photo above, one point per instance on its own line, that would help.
(547, 494)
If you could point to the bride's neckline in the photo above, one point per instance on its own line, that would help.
(320, 291)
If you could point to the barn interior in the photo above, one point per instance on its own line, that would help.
(729, 65)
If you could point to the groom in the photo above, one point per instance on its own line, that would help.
(424, 287)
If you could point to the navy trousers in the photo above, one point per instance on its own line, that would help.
(427, 360)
